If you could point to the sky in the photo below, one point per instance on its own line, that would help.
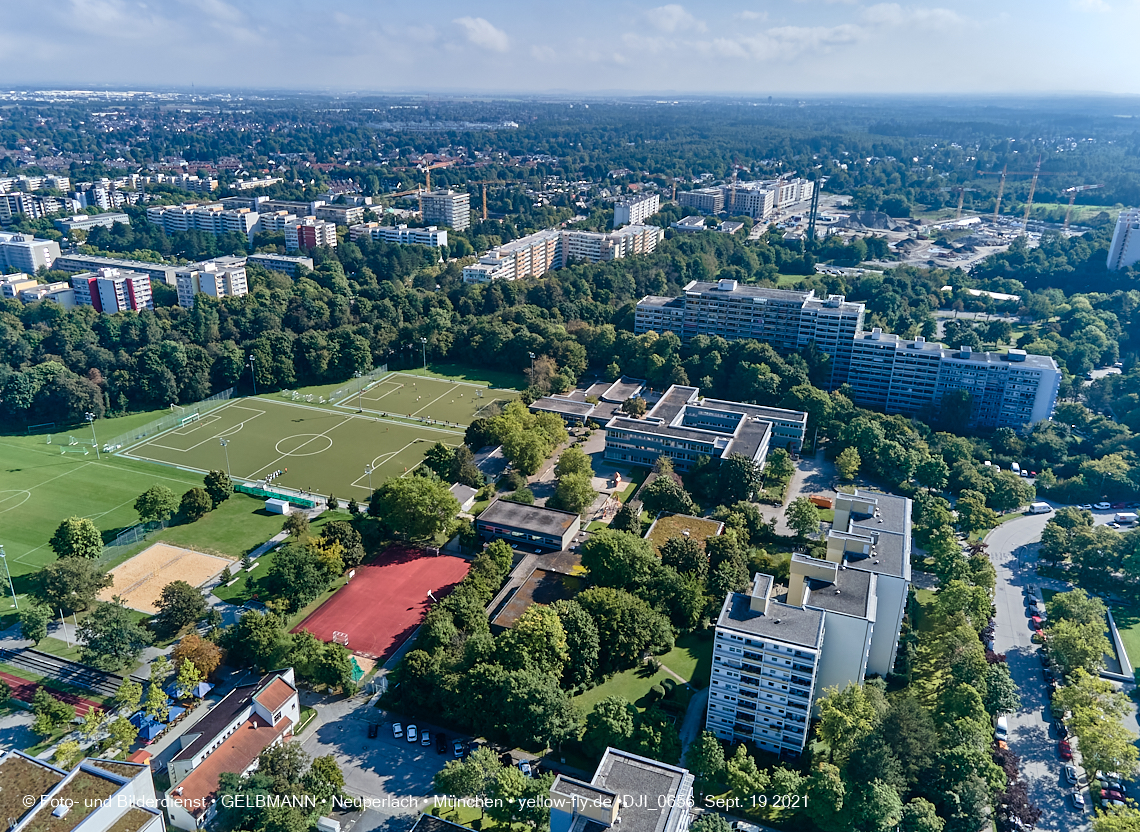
(757, 47)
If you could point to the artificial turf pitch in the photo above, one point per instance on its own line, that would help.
(384, 602)
(454, 403)
(317, 449)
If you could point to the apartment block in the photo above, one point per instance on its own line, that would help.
(399, 234)
(448, 208)
(78, 263)
(1125, 248)
(113, 290)
(211, 219)
(222, 277)
(251, 184)
(287, 264)
(685, 427)
(787, 320)
(704, 200)
(59, 292)
(535, 254)
(309, 233)
(292, 206)
(913, 376)
(85, 222)
(753, 199)
(25, 253)
(275, 221)
(838, 622)
(94, 796)
(12, 284)
(635, 210)
(628, 793)
(340, 214)
(32, 206)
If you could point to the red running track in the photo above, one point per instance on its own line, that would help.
(386, 600)
(24, 690)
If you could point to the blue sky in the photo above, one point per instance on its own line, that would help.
(761, 47)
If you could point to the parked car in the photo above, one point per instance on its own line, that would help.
(411, 733)
(458, 749)
(1111, 794)
(524, 767)
(1071, 774)
(1061, 729)
(1102, 506)
(373, 730)
(441, 743)
(1120, 505)
(1078, 800)
(1035, 622)
(397, 730)
(1085, 506)
(1064, 750)
(425, 739)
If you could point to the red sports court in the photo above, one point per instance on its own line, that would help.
(385, 601)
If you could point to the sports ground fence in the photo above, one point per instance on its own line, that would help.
(179, 416)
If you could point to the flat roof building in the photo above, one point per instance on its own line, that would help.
(284, 263)
(838, 622)
(222, 277)
(635, 210)
(77, 263)
(1125, 247)
(684, 427)
(113, 290)
(448, 208)
(25, 253)
(399, 234)
(551, 248)
(705, 200)
(573, 411)
(536, 526)
(340, 214)
(86, 222)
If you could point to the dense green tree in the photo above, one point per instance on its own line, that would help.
(610, 723)
(847, 464)
(71, 584)
(219, 486)
(573, 461)
(156, 504)
(257, 640)
(627, 627)
(77, 537)
(628, 518)
(618, 559)
(705, 757)
(416, 507)
(34, 619)
(802, 516)
(666, 496)
(195, 504)
(685, 555)
(350, 541)
(582, 643)
(973, 514)
(50, 713)
(573, 492)
(111, 637)
(179, 605)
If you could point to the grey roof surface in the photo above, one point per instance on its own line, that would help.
(622, 389)
(462, 492)
(657, 300)
(892, 549)
(850, 594)
(534, 518)
(576, 788)
(956, 355)
(628, 774)
(793, 625)
(560, 405)
(744, 291)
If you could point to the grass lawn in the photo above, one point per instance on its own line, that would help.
(248, 584)
(40, 487)
(1128, 623)
(237, 526)
(634, 478)
(632, 684)
(691, 658)
(677, 525)
(827, 515)
(58, 647)
(786, 280)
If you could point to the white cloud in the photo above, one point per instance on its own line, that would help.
(748, 14)
(892, 14)
(546, 54)
(673, 18)
(481, 33)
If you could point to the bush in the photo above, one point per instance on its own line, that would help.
(511, 481)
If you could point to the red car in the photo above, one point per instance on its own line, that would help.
(1110, 794)
(1120, 505)
(1065, 750)
(1035, 622)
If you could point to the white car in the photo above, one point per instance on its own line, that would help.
(1078, 800)
(411, 733)
(1071, 774)
(1085, 506)
(397, 730)
(1102, 506)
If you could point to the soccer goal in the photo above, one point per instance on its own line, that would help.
(185, 420)
(340, 638)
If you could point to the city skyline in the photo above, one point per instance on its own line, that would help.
(761, 48)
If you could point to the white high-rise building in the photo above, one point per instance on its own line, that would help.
(222, 277)
(635, 210)
(113, 290)
(1125, 248)
(448, 208)
(535, 254)
(25, 253)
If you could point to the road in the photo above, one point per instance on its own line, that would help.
(1030, 734)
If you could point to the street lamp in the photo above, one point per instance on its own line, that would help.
(225, 443)
(532, 357)
(424, 342)
(368, 470)
(4, 557)
(91, 420)
(359, 393)
(253, 375)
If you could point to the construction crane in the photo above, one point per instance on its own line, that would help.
(429, 168)
(1032, 190)
(484, 183)
(1072, 192)
(961, 191)
(809, 241)
(1005, 171)
(735, 170)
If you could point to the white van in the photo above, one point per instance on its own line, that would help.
(1001, 729)
(1040, 508)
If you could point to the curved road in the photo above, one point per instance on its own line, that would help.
(1030, 735)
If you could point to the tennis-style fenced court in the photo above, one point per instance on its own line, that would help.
(323, 450)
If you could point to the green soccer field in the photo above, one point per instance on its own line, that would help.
(317, 449)
(423, 398)
(40, 486)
